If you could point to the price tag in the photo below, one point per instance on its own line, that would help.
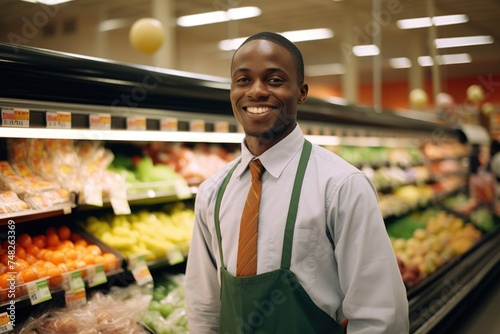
(136, 123)
(221, 126)
(58, 119)
(16, 117)
(140, 271)
(174, 256)
(118, 199)
(182, 189)
(76, 298)
(327, 132)
(73, 281)
(100, 122)
(197, 125)
(5, 324)
(96, 275)
(169, 124)
(92, 195)
(38, 291)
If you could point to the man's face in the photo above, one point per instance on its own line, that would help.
(265, 91)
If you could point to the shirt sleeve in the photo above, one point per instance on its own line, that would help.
(375, 298)
(201, 283)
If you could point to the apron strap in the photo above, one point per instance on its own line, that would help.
(222, 189)
(286, 255)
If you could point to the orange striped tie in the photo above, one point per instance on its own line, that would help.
(246, 264)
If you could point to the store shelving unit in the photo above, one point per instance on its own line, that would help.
(44, 81)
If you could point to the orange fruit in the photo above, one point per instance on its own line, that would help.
(94, 249)
(20, 265)
(110, 261)
(58, 257)
(75, 237)
(64, 232)
(53, 240)
(24, 240)
(3, 268)
(81, 242)
(70, 265)
(5, 280)
(40, 241)
(20, 252)
(89, 259)
(80, 264)
(4, 259)
(32, 249)
(30, 259)
(28, 275)
(50, 230)
(71, 254)
(66, 244)
(47, 255)
(55, 275)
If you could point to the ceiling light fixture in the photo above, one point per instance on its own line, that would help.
(239, 13)
(401, 62)
(453, 42)
(366, 50)
(458, 58)
(293, 36)
(424, 22)
(324, 69)
(48, 2)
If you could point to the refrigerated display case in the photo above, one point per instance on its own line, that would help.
(57, 96)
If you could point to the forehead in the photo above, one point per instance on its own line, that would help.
(261, 50)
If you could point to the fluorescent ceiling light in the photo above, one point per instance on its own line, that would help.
(459, 58)
(423, 22)
(48, 2)
(294, 36)
(324, 69)
(365, 50)
(452, 42)
(401, 62)
(218, 16)
(114, 24)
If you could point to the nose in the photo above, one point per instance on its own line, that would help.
(258, 91)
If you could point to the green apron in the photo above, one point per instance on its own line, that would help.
(272, 302)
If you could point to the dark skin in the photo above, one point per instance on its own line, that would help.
(265, 93)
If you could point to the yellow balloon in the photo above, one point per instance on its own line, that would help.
(146, 35)
(475, 93)
(418, 98)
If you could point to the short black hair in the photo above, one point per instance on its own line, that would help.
(285, 43)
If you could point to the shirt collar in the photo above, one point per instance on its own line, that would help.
(277, 157)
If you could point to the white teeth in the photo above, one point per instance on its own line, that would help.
(258, 110)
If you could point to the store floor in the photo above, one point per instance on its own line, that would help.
(484, 315)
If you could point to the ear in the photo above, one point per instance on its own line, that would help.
(304, 89)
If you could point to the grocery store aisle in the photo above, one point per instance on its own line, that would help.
(484, 317)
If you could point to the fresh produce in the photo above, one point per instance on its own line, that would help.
(154, 234)
(166, 313)
(49, 255)
(423, 245)
(484, 219)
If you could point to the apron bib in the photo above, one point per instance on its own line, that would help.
(272, 302)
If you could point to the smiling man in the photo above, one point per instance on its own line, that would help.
(288, 237)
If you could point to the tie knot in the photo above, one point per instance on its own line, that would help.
(256, 169)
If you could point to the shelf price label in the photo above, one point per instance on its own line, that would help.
(118, 199)
(92, 195)
(197, 125)
(100, 122)
(75, 298)
(169, 124)
(182, 189)
(96, 275)
(136, 123)
(38, 291)
(58, 119)
(221, 126)
(73, 281)
(140, 270)
(16, 117)
(174, 256)
(5, 324)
